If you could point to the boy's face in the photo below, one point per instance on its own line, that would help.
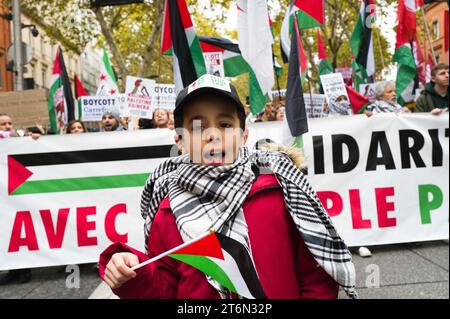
(211, 132)
(5, 123)
(441, 77)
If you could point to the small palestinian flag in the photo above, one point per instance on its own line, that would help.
(60, 99)
(310, 14)
(325, 66)
(404, 55)
(358, 101)
(79, 92)
(226, 261)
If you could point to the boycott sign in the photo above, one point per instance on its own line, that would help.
(333, 86)
(93, 107)
(165, 96)
(64, 199)
(214, 63)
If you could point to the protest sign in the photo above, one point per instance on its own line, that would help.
(214, 63)
(368, 90)
(165, 96)
(314, 105)
(140, 97)
(93, 107)
(333, 86)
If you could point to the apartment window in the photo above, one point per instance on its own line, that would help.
(44, 76)
(435, 29)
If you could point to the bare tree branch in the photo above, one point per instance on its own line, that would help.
(112, 45)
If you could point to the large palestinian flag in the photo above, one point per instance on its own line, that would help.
(60, 99)
(180, 40)
(404, 56)
(226, 261)
(361, 45)
(310, 14)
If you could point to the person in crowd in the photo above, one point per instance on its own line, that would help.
(220, 184)
(161, 118)
(386, 100)
(434, 98)
(76, 127)
(171, 123)
(281, 112)
(111, 122)
(7, 131)
(145, 124)
(339, 105)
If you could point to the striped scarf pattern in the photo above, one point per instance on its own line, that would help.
(204, 197)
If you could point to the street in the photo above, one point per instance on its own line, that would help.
(419, 271)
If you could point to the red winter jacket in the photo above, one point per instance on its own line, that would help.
(284, 264)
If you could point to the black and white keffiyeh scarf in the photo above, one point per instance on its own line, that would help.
(205, 197)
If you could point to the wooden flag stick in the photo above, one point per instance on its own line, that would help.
(145, 263)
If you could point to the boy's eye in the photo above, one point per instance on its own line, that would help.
(225, 125)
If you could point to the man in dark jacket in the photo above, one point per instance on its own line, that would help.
(434, 98)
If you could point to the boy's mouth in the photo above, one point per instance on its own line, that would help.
(214, 157)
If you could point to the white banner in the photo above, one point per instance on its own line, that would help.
(64, 199)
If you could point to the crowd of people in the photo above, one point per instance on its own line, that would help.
(433, 99)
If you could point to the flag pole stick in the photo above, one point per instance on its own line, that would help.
(427, 31)
(145, 263)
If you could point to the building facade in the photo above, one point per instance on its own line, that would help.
(437, 15)
(6, 80)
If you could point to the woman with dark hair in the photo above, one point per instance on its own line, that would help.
(75, 127)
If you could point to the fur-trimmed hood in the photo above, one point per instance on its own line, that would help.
(295, 154)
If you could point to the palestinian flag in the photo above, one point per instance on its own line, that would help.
(361, 44)
(430, 65)
(60, 100)
(256, 50)
(310, 15)
(295, 103)
(325, 66)
(404, 56)
(57, 170)
(107, 80)
(226, 261)
(180, 40)
(419, 59)
(79, 92)
(233, 62)
(358, 101)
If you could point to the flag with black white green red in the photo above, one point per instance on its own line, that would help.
(325, 66)
(79, 92)
(310, 15)
(404, 56)
(107, 82)
(295, 103)
(60, 99)
(361, 44)
(226, 260)
(179, 39)
(233, 62)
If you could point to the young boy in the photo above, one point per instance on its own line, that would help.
(218, 183)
